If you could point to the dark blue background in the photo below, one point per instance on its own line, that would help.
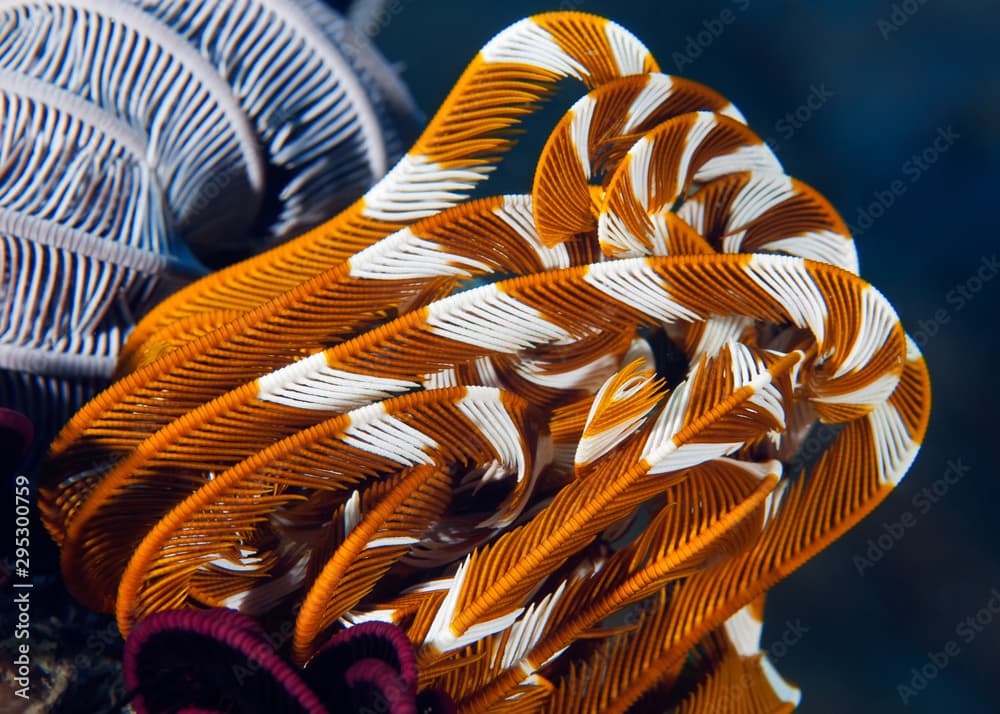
(890, 87)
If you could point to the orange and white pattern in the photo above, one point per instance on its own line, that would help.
(503, 423)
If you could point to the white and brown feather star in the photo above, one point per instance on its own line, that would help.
(456, 416)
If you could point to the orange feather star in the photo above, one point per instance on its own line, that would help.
(504, 424)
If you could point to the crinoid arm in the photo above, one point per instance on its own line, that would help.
(553, 438)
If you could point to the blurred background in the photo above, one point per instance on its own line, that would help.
(891, 110)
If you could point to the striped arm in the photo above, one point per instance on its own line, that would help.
(330, 118)
(748, 211)
(853, 477)
(861, 353)
(815, 512)
(660, 170)
(712, 512)
(456, 151)
(592, 137)
(736, 400)
(259, 407)
(359, 452)
(400, 271)
(757, 212)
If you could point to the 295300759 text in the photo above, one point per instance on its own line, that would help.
(22, 587)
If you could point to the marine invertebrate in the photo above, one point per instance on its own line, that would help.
(146, 140)
(500, 423)
(221, 660)
(16, 432)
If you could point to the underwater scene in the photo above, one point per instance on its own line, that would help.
(582, 356)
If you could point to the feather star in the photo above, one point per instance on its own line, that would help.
(554, 437)
(146, 141)
(222, 660)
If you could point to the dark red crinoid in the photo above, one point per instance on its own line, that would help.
(16, 434)
(220, 660)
